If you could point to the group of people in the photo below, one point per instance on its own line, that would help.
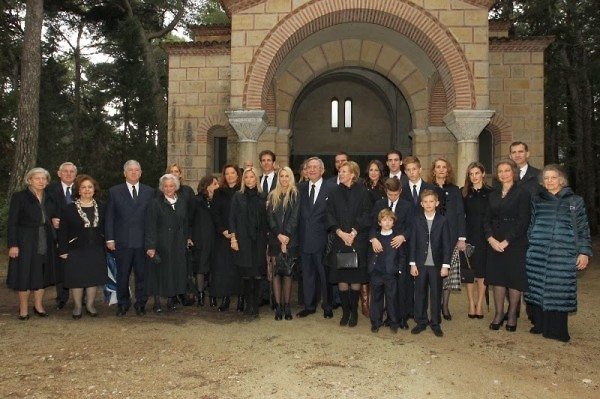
(396, 239)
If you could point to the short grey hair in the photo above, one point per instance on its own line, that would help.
(62, 165)
(165, 177)
(35, 171)
(131, 162)
(319, 160)
(563, 179)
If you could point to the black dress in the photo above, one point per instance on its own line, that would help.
(204, 231)
(248, 220)
(224, 276)
(375, 193)
(507, 219)
(349, 208)
(30, 229)
(167, 233)
(85, 265)
(284, 221)
(475, 204)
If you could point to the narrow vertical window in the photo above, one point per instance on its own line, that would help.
(348, 113)
(334, 114)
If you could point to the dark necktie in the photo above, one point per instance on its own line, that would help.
(391, 205)
(265, 185)
(68, 196)
(134, 193)
(414, 193)
(312, 194)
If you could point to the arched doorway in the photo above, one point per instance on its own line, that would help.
(351, 109)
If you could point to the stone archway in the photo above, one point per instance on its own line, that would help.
(406, 18)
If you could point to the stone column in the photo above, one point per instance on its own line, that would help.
(249, 125)
(466, 125)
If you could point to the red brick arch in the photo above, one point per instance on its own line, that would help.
(212, 121)
(401, 16)
(502, 133)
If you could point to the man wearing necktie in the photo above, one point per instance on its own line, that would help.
(125, 229)
(528, 175)
(394, 164)
(61, 195)
(268, 181)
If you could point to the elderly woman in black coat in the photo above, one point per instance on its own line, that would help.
(348, 216)
(505, 227)
(167, 235)
(559, 246)
(31, 246)
(283, 207)
(203, 228)
(81, 243)
(248, 227)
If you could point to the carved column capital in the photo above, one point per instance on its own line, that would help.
(467, 124)
(248, 124)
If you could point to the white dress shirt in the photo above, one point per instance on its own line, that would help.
(318, 185)
(130, 188)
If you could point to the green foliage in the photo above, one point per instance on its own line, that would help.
(211, 13)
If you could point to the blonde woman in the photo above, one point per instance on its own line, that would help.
(282, 210)
(248, 237)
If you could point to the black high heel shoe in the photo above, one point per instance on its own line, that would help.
(200, 299)
(38, 313)
(447, 316)
(287, 311)
(241, 302)
(25, 317)
(511, 328)
(90, 313)
(278, 312)
(212, 301)
(496, 326)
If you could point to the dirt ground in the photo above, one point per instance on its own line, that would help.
(200, 353)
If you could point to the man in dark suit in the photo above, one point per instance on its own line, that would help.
(267, 181)
(125, 225)
(339, 159)
(313, 237)
(401, 232)
(394, 164)
(528, 175)
(61, 194)
(411, 192)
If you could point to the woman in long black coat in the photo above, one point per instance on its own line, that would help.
(167, 235)
(348, 216)
(505, 226)
(476, 200)
(224, 277)
(248, 226)
(31, 245)
(451, 206)
(283, 208)
(203, 228)
(81, 243)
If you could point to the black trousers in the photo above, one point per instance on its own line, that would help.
(384, 286)
(313, 273)
(552, 324)
(129, 259)
(428, 285)
(408, 287)
(62, 293)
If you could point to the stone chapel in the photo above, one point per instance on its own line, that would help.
(313, 77)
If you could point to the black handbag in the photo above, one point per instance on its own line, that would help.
(346, 260)
(284, 264)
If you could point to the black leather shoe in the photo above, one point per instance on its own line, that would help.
(437, 331)
(305, 312)
(447, 316)
(534, 330)
(241, 303)
(511, 328)
(212, 301)
(140, 310)
(287, 311)
(60, 305)
(278, 312)
(328, 314)
(200, 299)
(91, 314)
(157, 308)
(26, 317)
(224, 304)
(121, 310)
(418, 329)
(38, 313)
(171, 304)
(374, 329)
(76, 316)
(472, 316)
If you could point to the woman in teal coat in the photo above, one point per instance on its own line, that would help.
(559, 245)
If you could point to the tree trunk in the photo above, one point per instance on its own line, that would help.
(29, 96)
(77, 135)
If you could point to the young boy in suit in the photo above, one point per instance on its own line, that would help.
(384, 268)
(430, 254)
